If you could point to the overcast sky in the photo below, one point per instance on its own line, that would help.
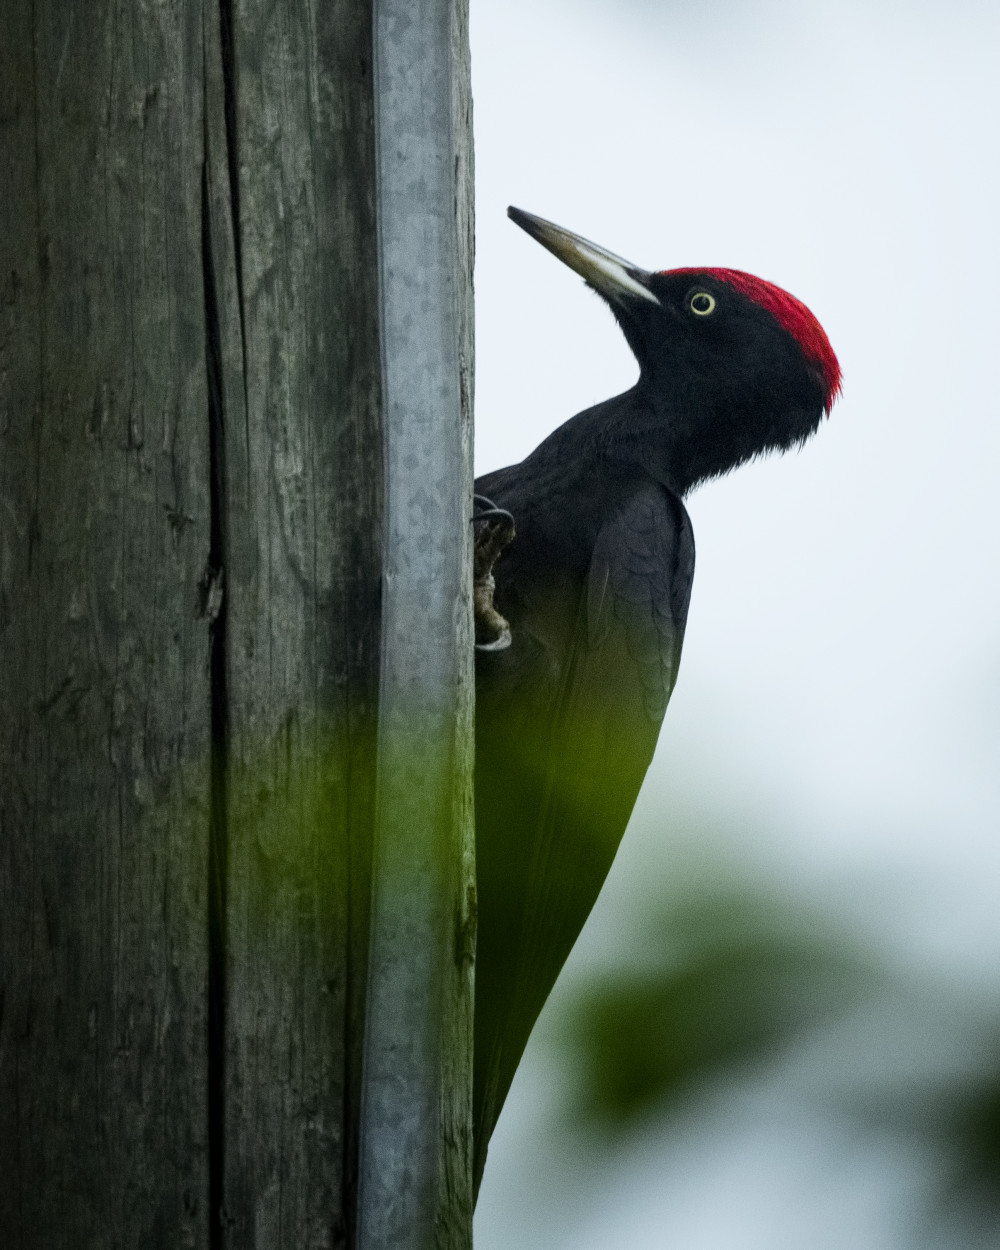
(839, 694)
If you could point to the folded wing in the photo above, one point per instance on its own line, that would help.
(563, 742)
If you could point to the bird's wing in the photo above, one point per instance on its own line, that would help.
(561, 753)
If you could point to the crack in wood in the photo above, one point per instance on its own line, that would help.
(217, 838)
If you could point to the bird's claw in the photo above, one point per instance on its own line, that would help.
(494, 530)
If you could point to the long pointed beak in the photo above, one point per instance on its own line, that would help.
(610, 275)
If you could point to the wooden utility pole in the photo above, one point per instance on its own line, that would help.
(208, 602)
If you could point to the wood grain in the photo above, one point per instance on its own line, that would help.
(303, 517)
(191, 530)
(104, 737)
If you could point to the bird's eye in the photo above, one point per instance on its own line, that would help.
(702, 304)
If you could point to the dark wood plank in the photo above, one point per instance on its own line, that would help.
(104, 530)
(303, 535)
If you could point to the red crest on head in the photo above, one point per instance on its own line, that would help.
(791, 314)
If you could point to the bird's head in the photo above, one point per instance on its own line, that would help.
(730, 365)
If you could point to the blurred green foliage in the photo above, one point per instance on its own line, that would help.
(729, 979)
(958, 1121)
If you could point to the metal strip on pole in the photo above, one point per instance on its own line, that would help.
(424, 751)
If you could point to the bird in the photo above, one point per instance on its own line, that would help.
(587, 552)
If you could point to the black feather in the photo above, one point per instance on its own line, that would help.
(567, 723)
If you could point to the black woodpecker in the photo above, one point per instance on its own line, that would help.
(595, 588)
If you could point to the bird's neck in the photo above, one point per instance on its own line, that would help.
(638, 431)
(643, 433)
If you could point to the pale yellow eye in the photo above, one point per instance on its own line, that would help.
(702, 304)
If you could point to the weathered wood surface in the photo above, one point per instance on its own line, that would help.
(104, 634)
(455, 1197)
(304, 500)
(191, 520)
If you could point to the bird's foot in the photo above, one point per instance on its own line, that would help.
(494, 529)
